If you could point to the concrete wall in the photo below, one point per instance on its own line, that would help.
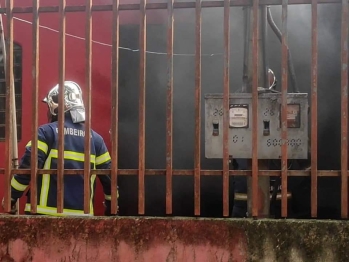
(170, 239)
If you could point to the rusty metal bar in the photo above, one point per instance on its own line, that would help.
(60, 161)
(254, 109)
(314, 70)
(87, 146)
(149, 6)
(284, 87)
(13, 102)
(181, 172)
(197, 139)
(35, 106)
(344, 107)
(115, 106)
(226, 108)
(142, 84)
(13, 106)
(169, 108)
(9, 108)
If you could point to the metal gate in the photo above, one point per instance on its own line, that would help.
(197, 172)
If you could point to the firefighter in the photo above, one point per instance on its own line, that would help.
(74, 133)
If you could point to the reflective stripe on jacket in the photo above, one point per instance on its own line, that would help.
(74, 136)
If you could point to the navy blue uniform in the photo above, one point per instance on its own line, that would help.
(73, 159)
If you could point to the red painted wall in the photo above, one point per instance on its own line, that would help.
(121, 239)
(125, 239)
(75, 64)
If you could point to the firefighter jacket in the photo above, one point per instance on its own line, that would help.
(73, 159)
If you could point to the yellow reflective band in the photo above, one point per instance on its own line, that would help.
(102, 158)
(108, 197)
(45, 183)
(92, 180)
(53, 211)
(41, 145)
(68, 155)
(18, 186)
(240, 196)
(243, 197)
(71, 155)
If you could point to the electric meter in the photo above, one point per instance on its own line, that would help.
(269, 127)
(293, 117)
(238, 116)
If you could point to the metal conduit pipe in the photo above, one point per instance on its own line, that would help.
(289, 60)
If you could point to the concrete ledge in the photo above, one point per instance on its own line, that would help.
(124, 239)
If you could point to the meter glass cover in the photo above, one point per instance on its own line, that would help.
(238, 116)
(293, 116)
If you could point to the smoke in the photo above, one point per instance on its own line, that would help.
(299, 25)
(329, 85)
(299, 31)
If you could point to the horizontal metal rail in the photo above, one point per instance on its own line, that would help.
(150, 6)
(181, 172)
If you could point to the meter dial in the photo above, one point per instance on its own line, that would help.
(238, 116)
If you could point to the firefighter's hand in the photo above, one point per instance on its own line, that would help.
(13, 206)
(107, 208)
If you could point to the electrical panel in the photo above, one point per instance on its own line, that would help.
(269, 125)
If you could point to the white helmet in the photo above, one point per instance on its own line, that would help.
(72, 101)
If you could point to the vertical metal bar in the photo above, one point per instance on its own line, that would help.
(169, 112)
(284, 111)
(88, 64)
(142, 70)
(115, 106)
(314, 69)
(60, 162)
(255, 109)
(226, 108)
(344, 102)
(35, 106)
(9, 108)
(13, 105)
(197, 150)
